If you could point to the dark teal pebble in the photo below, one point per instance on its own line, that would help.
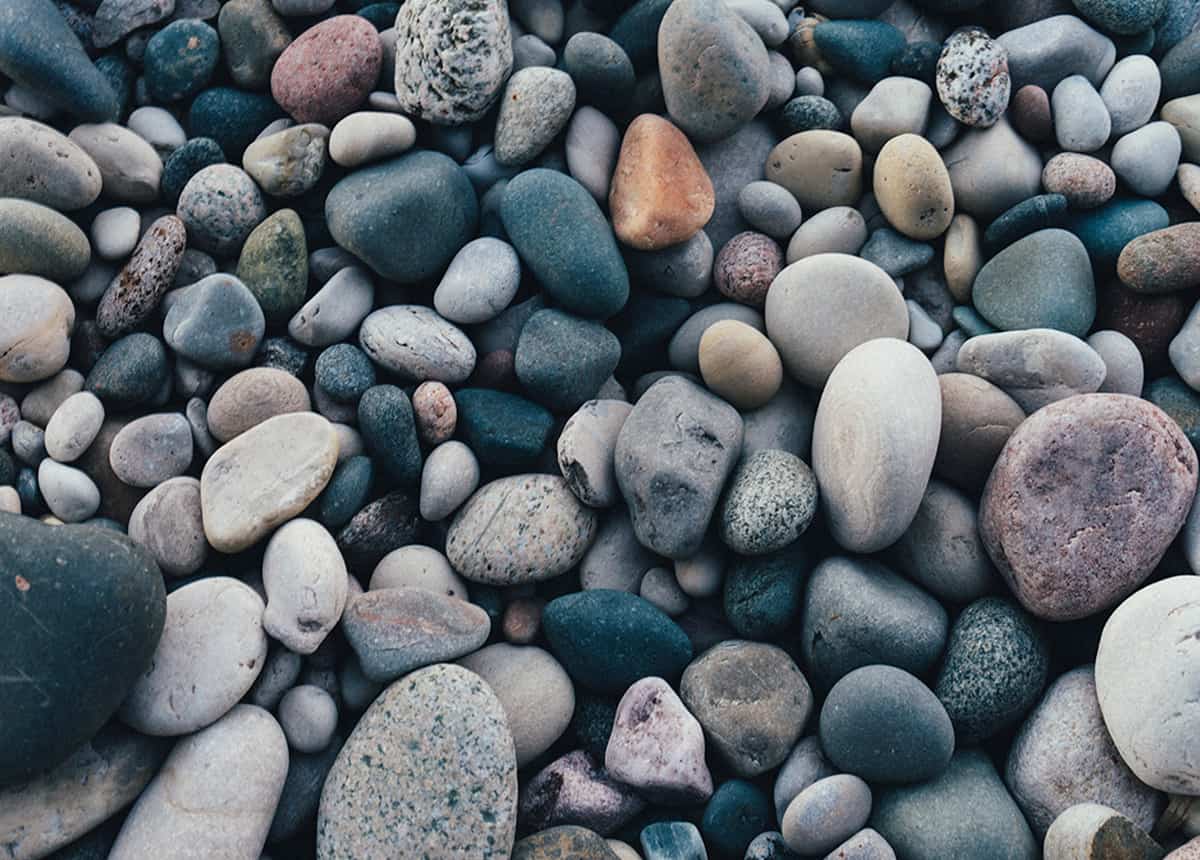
(562, 360)
(282, 353)
(344, 372)
(8, 468)
(602, 71)
(672, 840)
(969, 320)
(918, 60)
(231, 117)
(995, 667)
(381, 15)
(347, 491)
(1174, 397)
(385, 419)
(1107, 230)
(504, 430)
(808, 113)
(184, 163)
(491, 600)
(39, 50)
(1122, 17)
(132, 371)
(763, 596)
(81, 23)
(302, 791)
(606, 640)
(736, 813)
(121, 77)
(637, 31)
(1028, 216)
(565, 240)
(645, 327)
(180, 59)
(383, 525)
(485, 171)
(1175, 25)
(592, 722)
(862, 50)
(32, 503)
(895, 253)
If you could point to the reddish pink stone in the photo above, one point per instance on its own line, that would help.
(329, 71)
(746, 266)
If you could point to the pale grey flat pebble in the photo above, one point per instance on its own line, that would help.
(941, 550)
(992, 169)
(448, 478)
(73, 426)
(809, 82)
(683, 270)
(211, 651)
(335, 311)
(1081, 121)
(826, 813)
(215, 795)
(530, 50)
(765, 18)
(479, 283)
(592, 144)
(151, 449)
(115, 232)
(1124, 368)
(1130, 92)
(418, 566)
(168, 523)
(683, 351)
(784, 424)
(923, 333)
(836, 230)
(418, 344)
(805, 765)
(159, 128)
(1034, 366)
(68, 492)
(616, 559)
(369, 136)
(305, 578)
(536, 104)
(130, 168)
(44, 399)
(893, 107)
(769, 208)
(1146, 159)
(660, 588)
(45, 166)
(10, 500)
(1048, 50)
(586, 448)
(308, 716)
(782, 80)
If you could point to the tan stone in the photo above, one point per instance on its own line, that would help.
(661, 194)
(962, 257)
(821, 168)
(1184, 114)
(912, 187)
(251, 397)
(739, 364)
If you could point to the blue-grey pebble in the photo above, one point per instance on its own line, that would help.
(216, 323)
(502, 429)
(232, 117)
(895, 253)
(184, 163)
(1035, 213)
(385, 419)
(1146, 159)
(769, 208)
(562, 360)
(672, 840)
(602, 71)
(862, 50)
(344, 372)
(180, 59)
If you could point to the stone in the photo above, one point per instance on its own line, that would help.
(1124, 365)
(536, 106)
(168, 523)
(683, 350)
(438, 741)
(1086, 182)
(941, 550)
(1130, 92)
(134, 294)
(418, 566)
(396, 630)
(385, 418)
(73, 426)
(837, 230)
(892, 452)
(264, 477)
(821, 168)
(586, 448)
(607, 640)
(1183, 114)
(578, 264)
(826, 813)
(883, 724)
(861, 50)
(406, 217)
(451, 58)
(1041, 281)
(416, 343)
(714, 68)
(592, 145)
(1048, 50)
(252, 38)
(1026, 522)
(328, 70)
(556, 531)
(1146, 159)
(752, 701)
(896, 254)
(770, 501)
(1063, 755)
(678, 436)
(1034, 366)
(615, 560)
(36, 240)
(152, 449)
(304, 577)
(1081, 120)
(45, 166)
(739, 364)
(184, 163)
(180, 59)
(746, 266)
(1092, 830)
(672, 839)
(385, 524)
(290, 162)
(1177, 68)
(894, 106)
(913, 187)
(576, 788)
(769, 208)
(308, 716)
(448, 479)
(186, 810)
(1123, 19)
(91, 606)
(216, 323)
(562, 360)
(501, 428)
(70, 494)
(368, 136)
(1162, 260)
(274, 265)
(973, 83)
(250, 397)
(334, 312)
(810, 113)
(220, 206)
(480, 282)
(992, 170)
(657, 746)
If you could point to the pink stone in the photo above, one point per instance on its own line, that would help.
(329, 71)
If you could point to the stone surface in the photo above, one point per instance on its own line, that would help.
(328, 70)
(480, 282)
(304, 577)
(769, 503)
(220, 206)
(36, 240)
(941, 550)
(289, 162)
(821, 168)
(1092, 830)
(586, 449)
(576, 788)
(169, 524)
(972, 78)
(416, 343)
(136, 291)
(536, 106)
(250, 397)
(826, 813)
(739, 364)
(992, 170)
(1161, 261)
(562, 360)
(1034, 366)
(1046, 50)
(1085, 181)
(152, 449)
(45, 166)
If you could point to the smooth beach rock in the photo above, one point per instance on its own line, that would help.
(70, 494)
(770, 501)
(92, 608)
(250, 397)
(1049, 49)
(941, 549)
(273, 265)
(304, 577)
(253, 36)
(438, 741)
(746, 266)
(334, 312)
(290, 162)
(536, 105)
(152, 449)
(861, 50)
(501, 428)
(368, 136)
(1161, 261)
(36, 240)
(892, 453)
(992, 170)
(1053, 540)
(220, 206)
(129, 167)
(576, 787)
(913, 188)
(36, 321)
(893, 107)
(416, 343)
(1146, 159)
(215, 795)
(826, 813)
(739, 363)
(592, 145)
(678, 436)
(264, 477)
(479, 283)
(1122, 360)
(564, 841)
(562, 360)
(73, 426)
(418, 566)
(452, 59)
(1130, 92)
(448, 479)
(1034, 366)
(215, 322)
(821, 168)
(45, 166)
(660, 193)
(586, 449)
(1093, 830)
(1081, 120)
(328, 70)
(837, 230)
(615, 560)
(1085, 181)
(169, 524)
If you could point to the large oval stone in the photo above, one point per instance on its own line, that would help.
(84, 608)
(36, 320)
(405, 218)
(874, 442)
(1083, 501)
(519, 529)
(437, 746)
(45, 166)
(36, 240)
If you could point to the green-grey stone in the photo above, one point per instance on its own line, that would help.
(36, 240)
(806, 113)
(1107, 230)
(274, 265)
(763, 596)
(184, 163)
(180, 58)
(346, 492)
(862, 50)
(1175, 398)
(132, 371)
(562, 360)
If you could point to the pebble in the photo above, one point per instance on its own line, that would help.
(972, 78)
(1182, 113)
(193, 802)
(434, 412)
(264, 477)
(252, 38)
(1160, 261)
(180, 59)
(152, 449)
(168, 522)
(73, 426)
(861, 50)
(1081, 119)
(304, 577)
(416, 343)
(826, 813)
(130, 169)
(45, 166)
(327, 71)
(586, 449)
(746, 266)
(130, 372)
(335, 311)
(576, 788)
(289, 162)
(1092, 830)
(448, 479)
(770, 501)
(735, 815)
(1123, 19)
(821, 168)
(417, 566)
(369, 136)
(36, 240)
(536, 106)
(273, 265)
(1086, 182)
(68, 492)
(811, 113)
(739, 364)
(1034, 366)
(449, 755)
(992, 170)
(1146, 159)
(502, 428)
(615, 560)
(220, 206)
(562, 360)
(308, 717)
(769, 208)
(212, 650)
(1047, 50)
(250, 397)
(1042, 281)
(837, 230)
(592, 145)
(216, 323)
(1130, 92)
(893, 107)
(1124, 365)
(1087, 575)
(665, 839)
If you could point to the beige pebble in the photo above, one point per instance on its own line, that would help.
(1189, 184)
(963, 256)
(370, 135)
(434, 412)
(36, 320)
(821, 168)
(912, 187)
(251, 397)
(739, 364)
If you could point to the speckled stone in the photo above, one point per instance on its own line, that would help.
(45, 166)
(1162, 261)
(328, 70)
(972, 78)
(768, 504)
(290, 162)
(437, 741)
(252, 396)
(536, 106)
(566, 840)
(220, 205)
(826, 813)
(1085, 181)
(746, 266)
(385, 524)
(135, 292)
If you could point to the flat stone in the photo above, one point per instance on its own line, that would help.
(73, 426)
(502, 428)
(1047, 50)
(894, 106)
(861, 50)
(821, 168)
(449, 478)
(1081, 120)
(586, 449)
(1041, 281)
(1146, 159)
(770, 208)
(368, 136)
(250, 397)
(592, 144)
(1122, 361)
(334, 312)
(992, 170)
(480, 282)
(1034, 366)
(169, 524)
(45, 166)
(837, 230)
(215, 322)
(129, 167)
(304, 577)
(1086, 182)
(290, 162)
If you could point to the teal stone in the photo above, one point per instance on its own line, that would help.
(602, 71)
(1122, 17)
(563, 237)
(562, 360)
(406, 217)
(672, 840)
(736, 813)
(231, 117)
(607, 640)
(1041, 281)
(381, 15)
(184, 163)
(346, 492)
(1174, 397)
(122, 77)
(132, 371)
(807, 113)
(38, 50)
(83, 612)
(273, 265)
(344, 372)
(862, 50)
(1028, 216)
(385, 419)
(964, 812)
(504, 430)
(969, 320)
(637, 31)
(919, 60)
(216, 322)
(32, 502)
(1107, 230)
(763, 595)
(592, 722)
(180, 59)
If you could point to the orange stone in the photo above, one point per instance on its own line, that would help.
(661, 194)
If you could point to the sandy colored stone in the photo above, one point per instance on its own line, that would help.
(912, 187)
(821, 168)
(977, 419)
(739, 364)
(252, 396)
(36, 321)
(1162, 261)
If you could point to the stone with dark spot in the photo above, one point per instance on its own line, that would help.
(216, 323)
(1084, 500)
(135, 292)
(575, 789)
(385, 524)
(972, 78)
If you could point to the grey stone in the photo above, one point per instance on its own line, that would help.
(784, 424)
(43, 400)
(826, 813)
(992, 170)
(36, 321)
(169, 524)
(73, 426)
(417, 344)
(304, 577)
(215, 322)
(1130, 92)
(1035, 366)
(592, 144)
(615, 560)
(894, 106)
(334, 312)
(288, 163)
(152, 449)
(1125, 370)
(308, 716)
(770, 501)
(536, 106)
(480, 282)
(941, 550)
(45, 166)
(586, 449)
(129, 167)
(448, 478)
(115, 19)
(1048, 50)
(805, 765)
(770, 208)
(1146, 159)
(1092, 830)
(836, 230)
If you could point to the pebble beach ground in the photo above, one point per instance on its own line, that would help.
(599, 429)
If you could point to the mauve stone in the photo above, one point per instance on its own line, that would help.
(575, 789)
(1163, 261)
(328, 71)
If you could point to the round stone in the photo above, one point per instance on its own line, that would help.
(972, 78)
(152, 449)
(328, 70)
(913, 187)
(821, 168)
(369, 136)
(417, 344)
(562, 360)
(1146, 159)
(1081, 120)
(180, 59)
(826, 813)
(739, 363)
(1130, 92)
(73, 426)
(308, 716)
(220, 205)
(480, 282)
(36, 240)
(169, 524)
(215, 322)
(1034, 366)
(1161, 261)
(769, 503)
(1122, 18)
(1085, 181)
(252, 396)
(770, 209)
(417, 566)
(289, 162)
(586, 449)
(36, 321)
(746, 266)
